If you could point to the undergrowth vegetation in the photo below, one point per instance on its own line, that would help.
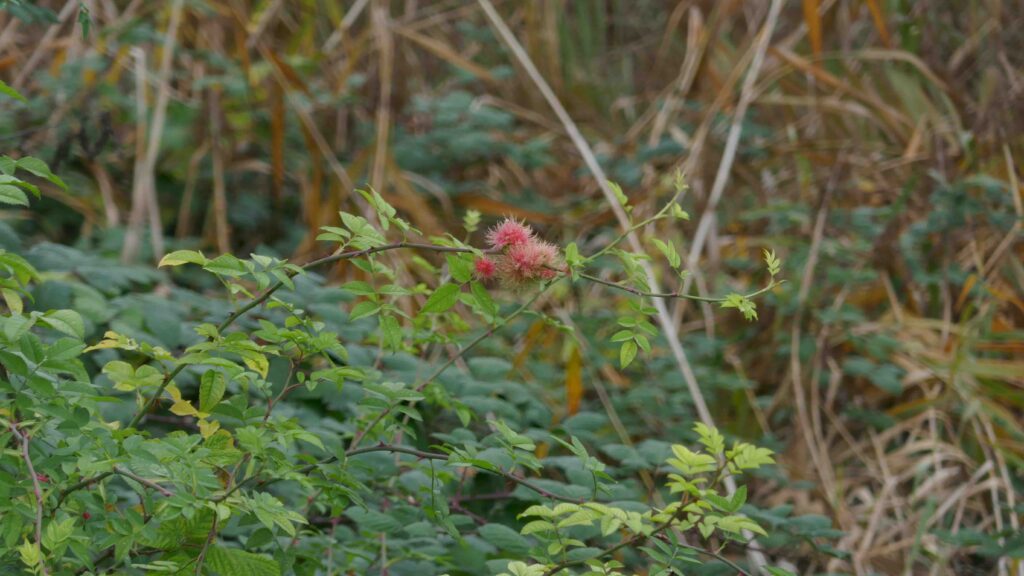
(404, 288)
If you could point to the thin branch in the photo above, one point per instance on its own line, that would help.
(399, 449)
(590, 159)
(636, 539)
(483, 336)
(631, 230)
(733, 139)
(23, 438)
(78, 486)
(677, 295)
(169, 377)
(148, 483)
(285, 389)
(210, 536)
(665, 319)
(442, 456)
(85, 483)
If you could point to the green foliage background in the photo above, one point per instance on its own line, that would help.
(879, 158)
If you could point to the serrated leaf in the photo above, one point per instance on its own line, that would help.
(57, 532)
(460, 267)
(678, 212)
(39, 168)
(690, 463)
(627, 353)
(772, 261)
(180, 406)
(13, 300)
(744, 456)
(505, 539)
(471, 220)
(211, 390)
(619, 194)
(711, 438)
(622, 336)
(669, 251)
(31, 555)
(535, 526)
(741, 303)
(226, 265)
(441, 300)
(208, 428)
(12, 195)
(234, 562)
(391, 331)
(364, 309)
(737, 524)
(257, 362)
(67, 321)
(179, 257)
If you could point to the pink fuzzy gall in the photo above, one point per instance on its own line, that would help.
(484, 268)
(509, 232)
(525, 263)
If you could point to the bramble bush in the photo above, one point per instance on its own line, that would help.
(310, 429)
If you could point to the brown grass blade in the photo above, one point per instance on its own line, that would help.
(813, 20)
(573, 382)
(445, 52)
(879, 20)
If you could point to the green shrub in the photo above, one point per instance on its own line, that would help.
(185, 438)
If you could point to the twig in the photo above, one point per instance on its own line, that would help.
(670, 295)
(664, 317)
(287, 387)
(36, 488)
(78, 486)
(490, 331)
(442, 456)
(640, 538)
(395, 448)
(732, 140)
(148, 483)
(148, 404)
(210, 536)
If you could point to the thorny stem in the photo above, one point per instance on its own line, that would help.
(353, 449)
(639, 292)
(85, 483)
(210, 536)
(23, 438)
(148, 483)
(234, 316)
(78, 486)
(148, 404)
(641, 537)
(483, 336)
(618, 240)
(442, 456)
(286, 388)
(395, 448)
